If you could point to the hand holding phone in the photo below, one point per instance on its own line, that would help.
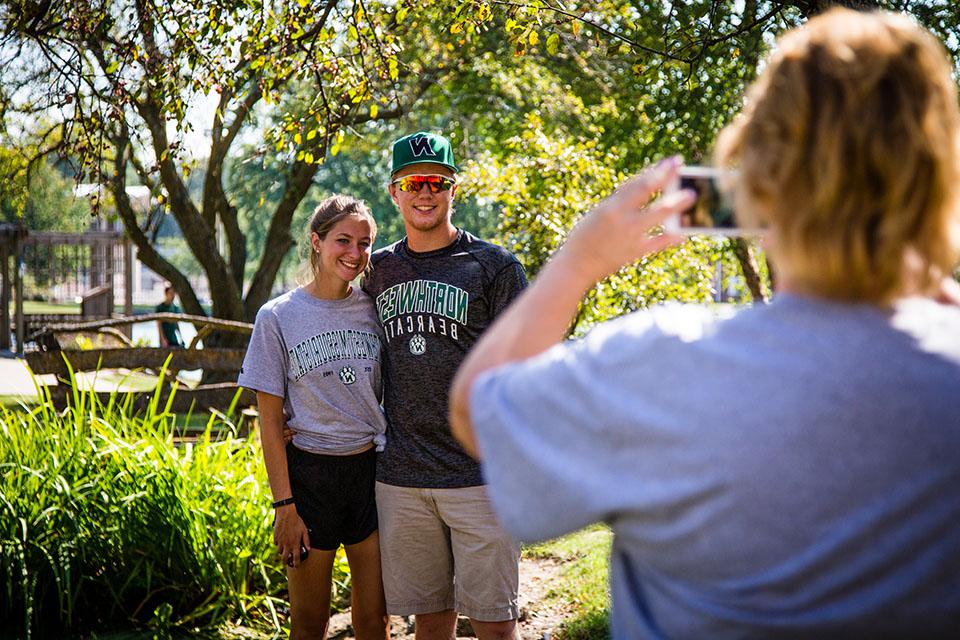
(713, 212)
(304, 552)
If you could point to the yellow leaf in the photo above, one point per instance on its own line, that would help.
(553, 43)
(456, 27)
(297, 138)
(534, 37)
(575, 25)
(311, 134)
(374, 110)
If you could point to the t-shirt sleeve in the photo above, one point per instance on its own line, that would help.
(507, 285)
(551, 432)
(265, 363)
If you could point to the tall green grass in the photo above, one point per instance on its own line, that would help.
(106, 523)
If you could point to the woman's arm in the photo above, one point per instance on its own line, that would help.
(615, 233)
(289, 532)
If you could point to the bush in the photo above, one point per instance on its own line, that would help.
(104, 521)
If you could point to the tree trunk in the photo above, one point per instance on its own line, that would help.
(742, 249)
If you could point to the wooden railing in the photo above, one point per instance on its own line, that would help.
(57, 348)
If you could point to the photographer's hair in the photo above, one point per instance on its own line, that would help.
(327, 214)
(848, 149)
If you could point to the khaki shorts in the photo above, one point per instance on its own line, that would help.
(443, 549)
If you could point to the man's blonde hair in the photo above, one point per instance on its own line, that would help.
(848, 149)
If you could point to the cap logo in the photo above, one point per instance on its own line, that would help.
(421, 147)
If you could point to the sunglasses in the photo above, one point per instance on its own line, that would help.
(413, 184)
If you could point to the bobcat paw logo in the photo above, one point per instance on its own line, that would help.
(348, 375)
(418, 345)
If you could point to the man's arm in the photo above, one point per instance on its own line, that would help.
(615, 233)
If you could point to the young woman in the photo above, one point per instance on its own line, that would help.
(314, 361)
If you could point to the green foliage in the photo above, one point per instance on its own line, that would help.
(542, 184)
(40, 198)
(105, 522)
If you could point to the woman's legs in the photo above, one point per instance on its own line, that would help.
(309, 587)
(368, 608)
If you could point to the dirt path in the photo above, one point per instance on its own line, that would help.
(539, 620)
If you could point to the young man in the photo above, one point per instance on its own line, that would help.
(436, 291)
(169, 331)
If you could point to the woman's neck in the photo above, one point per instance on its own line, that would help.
(328, 288)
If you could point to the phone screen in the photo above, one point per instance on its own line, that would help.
(713, 212)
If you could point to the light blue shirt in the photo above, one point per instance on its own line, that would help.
(791, 471)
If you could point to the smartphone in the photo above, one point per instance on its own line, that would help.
(713, 212)
(303, 555)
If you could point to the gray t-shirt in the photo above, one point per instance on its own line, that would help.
(791, 471)
(323, 358)
(433, 307)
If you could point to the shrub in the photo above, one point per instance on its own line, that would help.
(105, 521)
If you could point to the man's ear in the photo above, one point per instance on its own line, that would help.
(393, 194)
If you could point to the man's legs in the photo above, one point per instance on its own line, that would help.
(504, 630)
(441, 625)
(486, 561)
(423, 534)
(415, 553)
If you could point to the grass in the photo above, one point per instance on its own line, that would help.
(583, 582)
(106, 524)
(35, 306)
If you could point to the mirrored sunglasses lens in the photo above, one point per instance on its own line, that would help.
(413, 184)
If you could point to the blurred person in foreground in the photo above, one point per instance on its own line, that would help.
(792, 470)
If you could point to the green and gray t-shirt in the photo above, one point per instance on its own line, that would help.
(433, 306)
(323, 358)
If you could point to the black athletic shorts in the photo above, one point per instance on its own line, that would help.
(334, 495)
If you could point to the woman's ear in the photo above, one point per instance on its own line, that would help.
(315, 241)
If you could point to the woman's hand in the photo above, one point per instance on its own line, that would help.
(618, 230)
(949, 292)
(289, 533)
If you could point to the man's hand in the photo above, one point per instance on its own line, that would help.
(287, 434)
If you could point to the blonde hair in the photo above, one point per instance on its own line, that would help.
(327, 214)
(848, 149)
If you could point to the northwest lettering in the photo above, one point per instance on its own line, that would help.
(423, 296)
(323, 348)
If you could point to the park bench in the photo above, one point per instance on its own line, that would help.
(58, 351)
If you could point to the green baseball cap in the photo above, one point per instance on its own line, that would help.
(422, 146)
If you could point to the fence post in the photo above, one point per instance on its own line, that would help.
(5, 295)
